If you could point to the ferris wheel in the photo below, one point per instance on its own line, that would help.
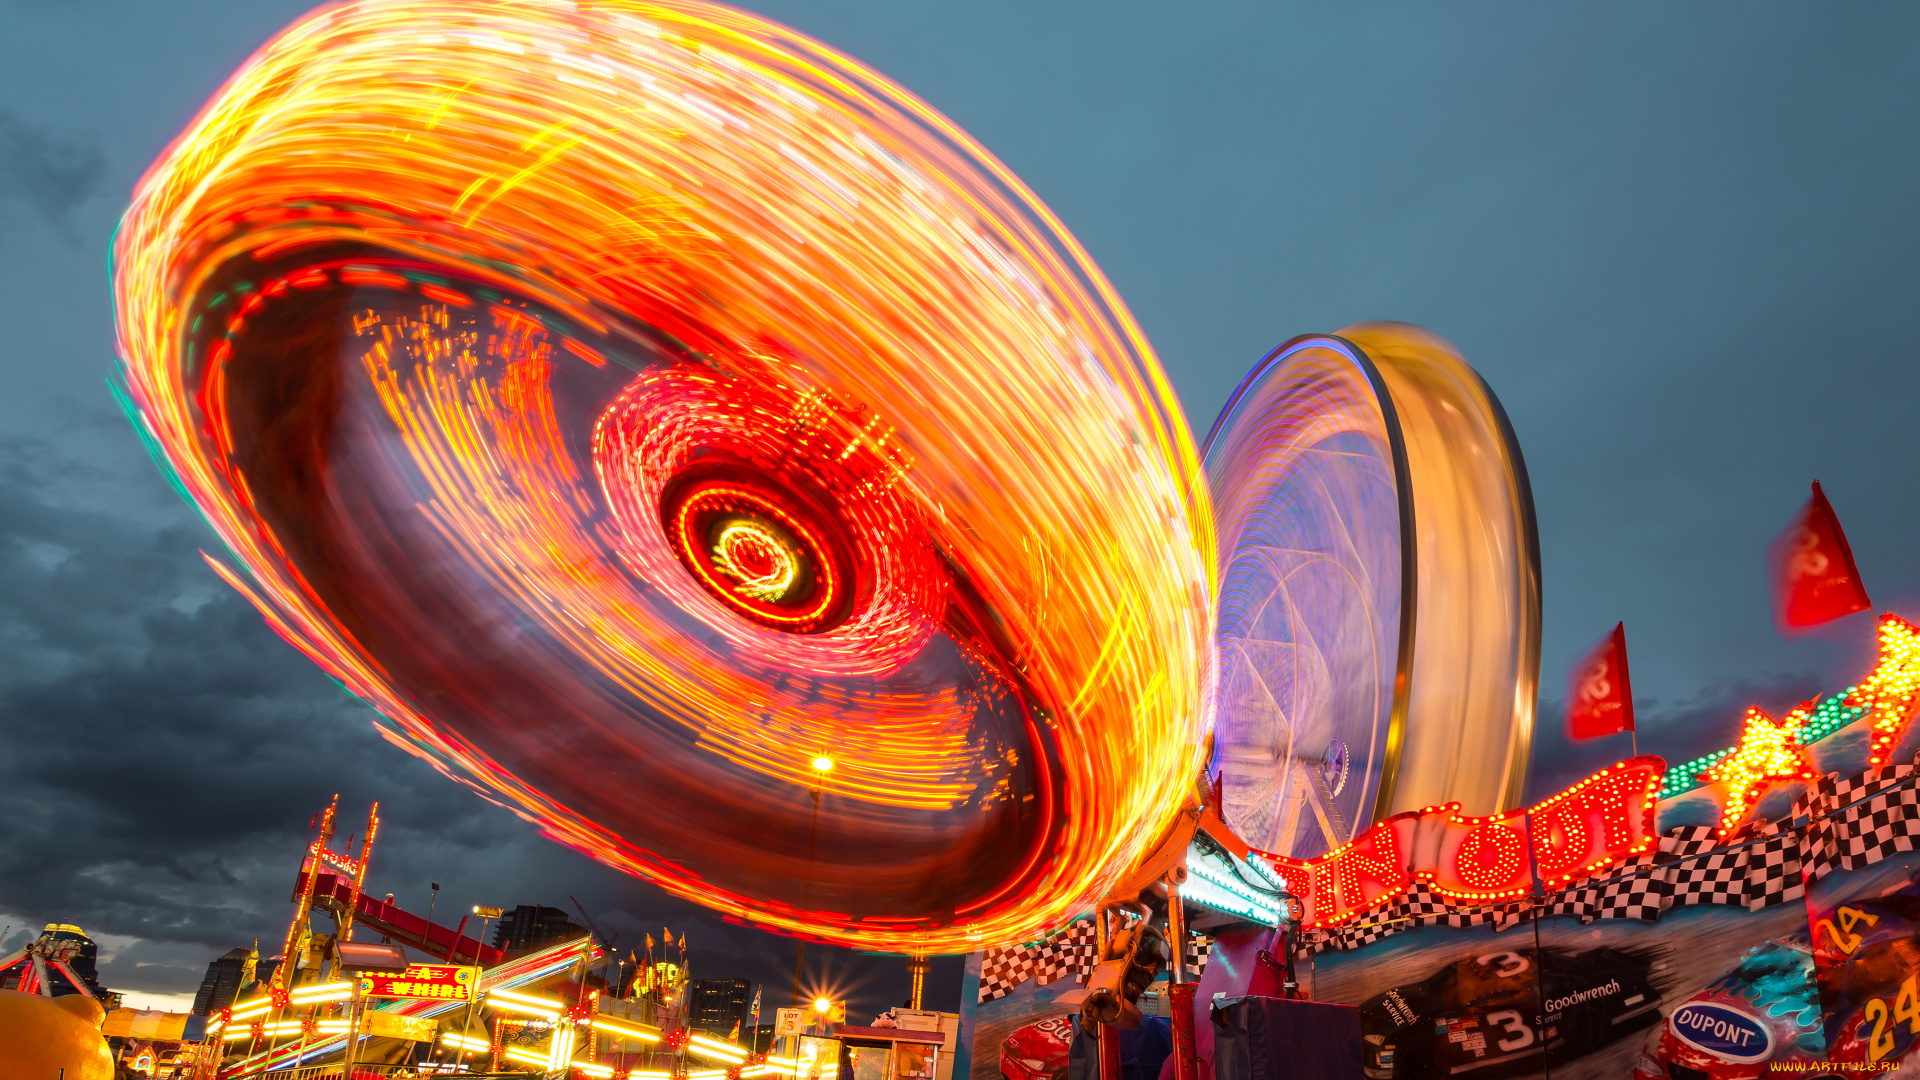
(1379, 598)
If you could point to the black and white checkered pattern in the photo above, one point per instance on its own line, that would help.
(1717, 877)
(1199, 951)
(1643, 896)
(1875, 827)
(1376, 925)
(1690, 867)
(1508, 916)
(1003, 969)
(1071, 952)
(1418, 906)
(1839, 824)
(1773, 869)
(1839, 793)
(1860, 820)
(1689, 840)
(1580, 902)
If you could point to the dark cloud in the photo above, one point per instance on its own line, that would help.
(1676, 730)
(165, 751)
(48, 172)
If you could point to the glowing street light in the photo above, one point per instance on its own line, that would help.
(821, 766)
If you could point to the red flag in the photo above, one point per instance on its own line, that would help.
(1814, 579)
(1599, 695)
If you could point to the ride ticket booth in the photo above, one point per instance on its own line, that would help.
(889, 1053)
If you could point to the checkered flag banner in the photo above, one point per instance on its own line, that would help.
(1642, 896)
(1690, 867)
(1845, 823)
(1773, 868)
(1688, 840)
(1199, 949)
(1003, 969)
(1715, 877)
(1418, 906)
(1860, 820)
(1072, 952)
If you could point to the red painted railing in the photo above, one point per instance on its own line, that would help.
(330, 894)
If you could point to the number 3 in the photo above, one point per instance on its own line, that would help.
(1520, 1036)
(1511, 964)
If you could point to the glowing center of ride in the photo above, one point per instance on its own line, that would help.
(759, 556)
(759, 551)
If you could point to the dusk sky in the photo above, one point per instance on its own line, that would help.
(1678, 240)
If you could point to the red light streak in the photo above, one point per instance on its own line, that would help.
(564, 250)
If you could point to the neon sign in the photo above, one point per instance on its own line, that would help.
(343, 863)
(1602, 820)
(1767, 751)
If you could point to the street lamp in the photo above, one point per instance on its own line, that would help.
(487, 915)
(822, 765)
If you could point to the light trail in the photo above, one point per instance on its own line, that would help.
(442, 313)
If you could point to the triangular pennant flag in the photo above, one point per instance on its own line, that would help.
(1814, 579)
(1599, 696)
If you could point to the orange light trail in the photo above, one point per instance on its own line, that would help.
(439, 306)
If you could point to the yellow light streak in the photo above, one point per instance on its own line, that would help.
(523, 1003)
(308, 995)
(464, 1042)
(805, 226)
(715, 1048)
(282, 1028)
(624, 1030)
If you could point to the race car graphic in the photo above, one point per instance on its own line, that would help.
(1038, 1051)
(1867, 953)
(1765, 1010)
(1045, 1050)
(1494, 1015)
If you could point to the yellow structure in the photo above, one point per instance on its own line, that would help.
(43, 1036)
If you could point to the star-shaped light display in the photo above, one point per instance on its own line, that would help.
(1767, 751)
(1892, 689)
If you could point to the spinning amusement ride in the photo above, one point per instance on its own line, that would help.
(646, 407)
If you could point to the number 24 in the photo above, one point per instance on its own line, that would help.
(1906, 1009)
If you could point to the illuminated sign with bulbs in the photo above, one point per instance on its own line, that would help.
(1602, 820)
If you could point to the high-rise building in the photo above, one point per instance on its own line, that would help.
(530, 927)
(716, 1005)
(222, 982)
